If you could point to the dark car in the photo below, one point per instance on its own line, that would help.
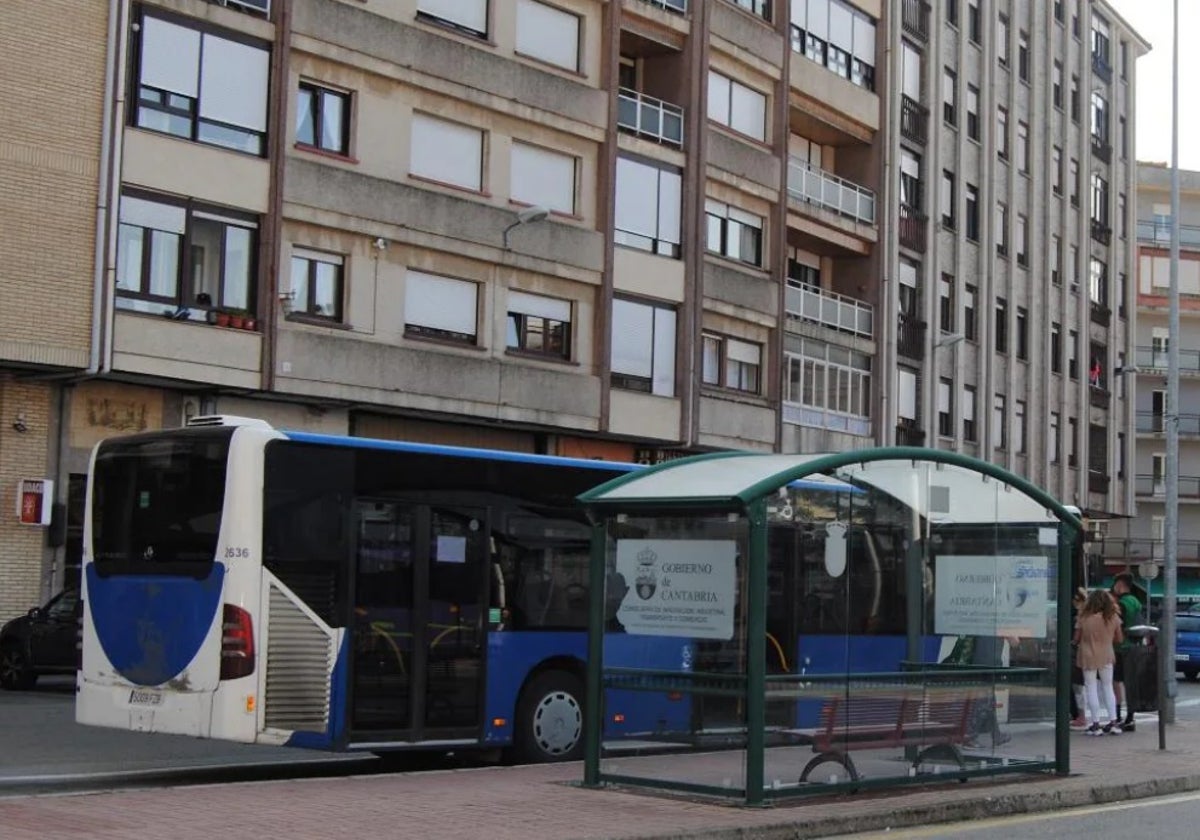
(1187, 644)
(43, 641)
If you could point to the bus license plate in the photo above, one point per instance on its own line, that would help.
(141, 697)
(1181, 657)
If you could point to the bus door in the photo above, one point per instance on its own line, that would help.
(419, 589)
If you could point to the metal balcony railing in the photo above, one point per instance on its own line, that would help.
(809, 303)
(912, 228)
(677, 6)
(1101, 68)
(809, 184)
(1101, 314)
(915, 18)
(914, 120)
(648, 117)
(1155, 358)
(1159, 232)
(1156, 485)
(262, 7)
(798, 414)
(1134, 550)
(1155, 422)
(1101, 150)
(1099, 396)
(1101, 232)
(908, 433)
(1097, 482)
(910, 338)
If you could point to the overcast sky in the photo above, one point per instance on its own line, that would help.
(1153, 20)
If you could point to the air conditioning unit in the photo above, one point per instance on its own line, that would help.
(189, 407)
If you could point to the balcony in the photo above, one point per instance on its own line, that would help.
(651, 118)
(1155, 422)
(1101, 314)
(1101, 232)
(1097, 482)
(810, 303)
(1159, 232)
(1099, 396)
(1101, 68)
(914, 120)
(679, 7)
(910, 338)
(811, 185)
(908, 433)
(256, 7)
(912, 228)
(915, 18)
(1133, 551)
(1155, 358)
(1101, 150)
(798, 414)
(1153, 486)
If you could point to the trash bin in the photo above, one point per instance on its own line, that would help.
(1140, 662)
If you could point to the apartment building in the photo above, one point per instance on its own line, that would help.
(619, 230)
(1128, 544)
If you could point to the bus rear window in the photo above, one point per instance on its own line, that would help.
(156, 503)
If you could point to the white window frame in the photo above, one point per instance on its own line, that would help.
(731, 363)
(647, 364)
(453, 156)
(441, 307)
(533, 314)
(303, 304)
(737, 106)
(652, 225)
(470, 16)
(735, 227)
(538, 176)
(548, 34)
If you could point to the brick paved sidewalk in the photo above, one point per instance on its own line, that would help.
(539, 802)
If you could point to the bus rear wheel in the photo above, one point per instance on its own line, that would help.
(550, 719)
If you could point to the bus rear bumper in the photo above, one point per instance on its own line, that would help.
(140, 709)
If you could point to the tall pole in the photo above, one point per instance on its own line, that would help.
(1166, 634)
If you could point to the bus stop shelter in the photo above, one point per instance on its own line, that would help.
(806, 624)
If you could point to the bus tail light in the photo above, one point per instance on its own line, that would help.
(237, 643)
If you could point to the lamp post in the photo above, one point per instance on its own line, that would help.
(526, 216)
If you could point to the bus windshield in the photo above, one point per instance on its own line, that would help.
(156, 504)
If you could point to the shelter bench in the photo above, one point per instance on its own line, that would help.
(936, 720)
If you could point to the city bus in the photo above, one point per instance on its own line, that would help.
(333, 592)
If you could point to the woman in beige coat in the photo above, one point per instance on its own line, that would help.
(1096, 631)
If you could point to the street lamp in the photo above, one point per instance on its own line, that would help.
(526, 216)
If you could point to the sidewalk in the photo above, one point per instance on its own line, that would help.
(536, 802)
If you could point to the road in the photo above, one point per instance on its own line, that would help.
(1174, 816)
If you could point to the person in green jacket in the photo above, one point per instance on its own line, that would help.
(1130, 608)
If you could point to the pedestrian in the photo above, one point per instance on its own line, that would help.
(1130, 610)
(1098, 633)
(1078, 718)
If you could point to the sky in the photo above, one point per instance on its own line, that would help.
(1152, 19)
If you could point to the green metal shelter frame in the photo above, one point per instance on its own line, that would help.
(743, 483)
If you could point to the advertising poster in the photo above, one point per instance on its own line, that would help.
(992, 596)
(677, 587)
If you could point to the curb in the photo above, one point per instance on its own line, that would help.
(914, 816)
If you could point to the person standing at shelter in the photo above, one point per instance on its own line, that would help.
(1130, 609)
(1097, 634)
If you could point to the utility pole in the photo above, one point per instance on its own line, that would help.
(1166, 628)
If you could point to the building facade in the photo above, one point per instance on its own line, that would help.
(606, 229)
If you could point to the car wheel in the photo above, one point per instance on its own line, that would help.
(550, 719)
(15, 670)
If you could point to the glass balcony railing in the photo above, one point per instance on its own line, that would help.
(815, 186)
(1159, 232)
(1155, 422)
(810, 303)
(262, 7)
(1155, 358)
(651, 118)
(677, 6)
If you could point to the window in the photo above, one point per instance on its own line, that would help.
(907, 398)
(1056, 347)
(1001, 325)
(317, 284)
(542, 177)
(1002, 40)
(907, 291)
(1058, 85)
(539, 325)
(1056, 172)
(762, 8)
(1019, 426)
(643, 347)
(1098, 282)
(1022, 237)
(548, 34)
(972, 212)
(202, 87)
(184, 260)
(1073, 354)
(945, 408)
(1001, 231)
(1058, 10)
(1023, 56)
(440, 307)
(1022, 334)
(1023, 147)
(1073, 268)
(1074, 182)
(648, 207)
(1072, 442)
(1075, 99)
(734, 105)
(968, 411)
(1100, 39)
(446, 152)
(973, 22)
(946, 303)
(469, 16)
(1121, 465)
(1121, 294)
(1099, 199)
(999, 422)
(1124, 48)
(973, 112)
(1002, 132)
(949, 97)
(1055, 259)
(733, 233)
(969, 329)
(833, 383)
(730, 363)
(910, 179)
(323, 118)
(836, 36)
(952, 12)
(1054, 444)
(947, 198)
(1124, 138)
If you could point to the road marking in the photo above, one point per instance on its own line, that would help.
(997, 822)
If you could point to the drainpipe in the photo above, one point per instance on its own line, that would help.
(116, 118)
(268, 296)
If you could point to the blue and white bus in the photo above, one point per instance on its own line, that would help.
(262, 586)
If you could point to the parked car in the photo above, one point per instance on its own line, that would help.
(43, 641)
(1187, 644)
